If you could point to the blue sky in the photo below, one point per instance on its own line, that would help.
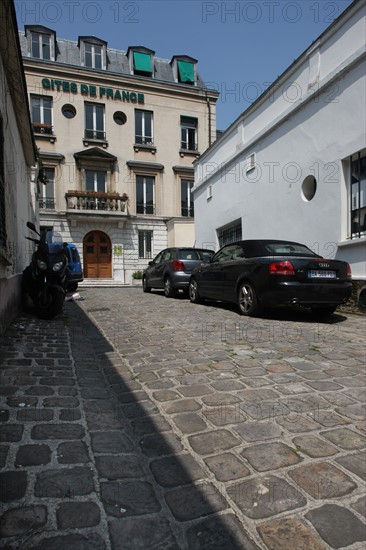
(241, 46)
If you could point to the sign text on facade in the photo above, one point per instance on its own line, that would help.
(91, 90)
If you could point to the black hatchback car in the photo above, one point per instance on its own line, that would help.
(271, 273)
(172, 268)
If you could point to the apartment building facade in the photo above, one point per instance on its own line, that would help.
(117, 133)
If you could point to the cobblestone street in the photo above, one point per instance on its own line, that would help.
(133, 421)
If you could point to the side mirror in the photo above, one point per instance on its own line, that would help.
(151, 263)
(31, 226)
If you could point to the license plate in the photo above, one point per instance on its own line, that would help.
(317, 274)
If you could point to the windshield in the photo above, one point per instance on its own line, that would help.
(52, 241)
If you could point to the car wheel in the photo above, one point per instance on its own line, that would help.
(168, 288)
(145, 287)
(247, 300)
(325, 311)
(194, 293)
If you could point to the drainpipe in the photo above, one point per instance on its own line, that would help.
(209, 120)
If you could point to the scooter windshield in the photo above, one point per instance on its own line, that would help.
(53, 241)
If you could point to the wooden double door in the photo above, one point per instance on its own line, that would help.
(97, 256)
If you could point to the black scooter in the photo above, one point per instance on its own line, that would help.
(45, 279)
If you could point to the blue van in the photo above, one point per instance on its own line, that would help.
(76, 274)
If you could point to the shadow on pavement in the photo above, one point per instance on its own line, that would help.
(155, 494)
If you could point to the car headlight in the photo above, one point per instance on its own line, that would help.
(57, 266)
(42, 265)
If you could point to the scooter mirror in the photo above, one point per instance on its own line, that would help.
(32, 226)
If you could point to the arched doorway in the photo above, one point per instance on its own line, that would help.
(97, 256)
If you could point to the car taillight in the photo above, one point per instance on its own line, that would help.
(349, 272)
(281, 268)
(178, 265)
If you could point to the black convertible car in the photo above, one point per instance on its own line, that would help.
(269, 273)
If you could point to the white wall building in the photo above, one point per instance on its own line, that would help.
(293, 165)
(17, 155)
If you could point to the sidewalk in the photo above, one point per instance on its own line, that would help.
(137, 422)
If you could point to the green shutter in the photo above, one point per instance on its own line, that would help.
(186, 72)
(142, 62)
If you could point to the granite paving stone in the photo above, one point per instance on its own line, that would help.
(63, 483)
(258, 431)
(355, 463)
(313, 446)
(189, 423)
(33, 455)
(111, 442)
(176, 470)
(227, 467)
(22, 520)
(289, 533)
(360, 506)
(153, 533)
(270, 456)
(13, 485)
(337, 525)
(128, 498)
(225, 414)
(262, 497)
(222, 533)
(345, 438)
(74, 541)
(213, 441)
(76, 515)
(75, 452)
(192, 502)
(322, 480)
(115, 467)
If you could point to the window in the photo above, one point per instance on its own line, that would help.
(358, 194)
(185, 72)
(144, 127)
(188, 133)
(228, 254)
(47, 191)
(41, 45)
(68, 111)
(94, 121)
(41, 112)
(250, 163)
(93, 56)
(2, 188)
(93, 52)
(119, 118)
(145, 195)
(145, 244)
(187, 206)
(95, 180)
(142, 64)
(230, 233)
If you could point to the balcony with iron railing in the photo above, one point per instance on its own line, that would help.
(47, 204)
(44, 131)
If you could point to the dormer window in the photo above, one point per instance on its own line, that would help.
(93, 52)
(184, 69)
(93, 56)
(41, 42)
(141, 61)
